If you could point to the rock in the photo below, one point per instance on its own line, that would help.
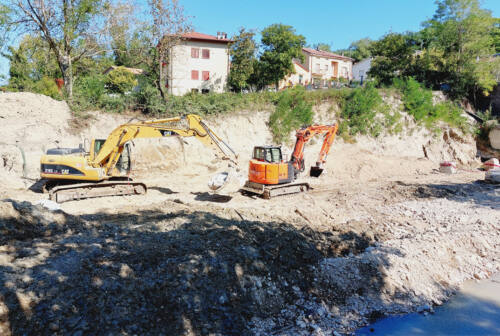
(494, 137)
(53, 326)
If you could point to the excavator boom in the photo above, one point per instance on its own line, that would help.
(95, 169)
(305, 134)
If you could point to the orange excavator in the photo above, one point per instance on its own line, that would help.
(270, 175)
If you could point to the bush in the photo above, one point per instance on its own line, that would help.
(88, 92)
(46, 86)
(417, 101)
(360, 109)
(292, 111)
(149, 100)
(120, 80)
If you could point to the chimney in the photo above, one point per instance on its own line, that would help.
(218, 35)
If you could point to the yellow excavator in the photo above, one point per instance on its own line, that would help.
(104, 168)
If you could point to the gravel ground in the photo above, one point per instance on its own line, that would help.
(200, 267)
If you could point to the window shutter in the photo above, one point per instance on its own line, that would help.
(195, 53)
(206, 75)
(205, 53)
(194, 74)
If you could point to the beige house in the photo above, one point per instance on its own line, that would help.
(200, 63)
(320, 68)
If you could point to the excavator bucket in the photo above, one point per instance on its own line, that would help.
(230, 181)
(315, 171)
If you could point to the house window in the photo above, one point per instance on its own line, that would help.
(318, 68)
(205, 75)
(300, 79)
(195, 75)
(205, 53)
(195, 52)
(326, 67)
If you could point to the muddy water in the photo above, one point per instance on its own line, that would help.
(475, 310)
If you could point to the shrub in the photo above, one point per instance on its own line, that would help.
(360, 109)
(120, 80)
(46, 86)
(417, 101)
(148, 99)
(113, 103)
(292, 111)
(88, 92)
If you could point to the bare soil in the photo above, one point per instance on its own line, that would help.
(382, 232)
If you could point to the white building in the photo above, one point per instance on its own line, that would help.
(320, 68)
(200, 63)
(360, 69)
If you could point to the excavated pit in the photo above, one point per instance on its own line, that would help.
(381, 232)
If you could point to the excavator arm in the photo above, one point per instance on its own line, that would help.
(303, 135)
(113, 146)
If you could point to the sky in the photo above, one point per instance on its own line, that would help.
(334, 22)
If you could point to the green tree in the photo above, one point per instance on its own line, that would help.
(281, 45)
(30, 62)
(4, 19)
(71, 28)
(392, 58)
(242, 51)
(360, 49)
(496, 35)
(463, 38)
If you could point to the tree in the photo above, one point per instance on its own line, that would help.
(30, 62)
(242, 51)
(4, 19)
(392, 58)
(463, 38)
(127, 36)
(495, 34)
(168, 25)
(360, 49)
(281, 45)
(71, 28)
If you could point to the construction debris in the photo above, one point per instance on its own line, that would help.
(448, 167)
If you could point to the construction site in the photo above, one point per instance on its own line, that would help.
(380, 230)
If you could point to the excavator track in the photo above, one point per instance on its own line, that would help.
(270, 191)
(70, 192)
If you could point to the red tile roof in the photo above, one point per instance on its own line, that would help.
(327, 54)
(204, 37)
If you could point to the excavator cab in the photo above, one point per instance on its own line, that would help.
(268, 154)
